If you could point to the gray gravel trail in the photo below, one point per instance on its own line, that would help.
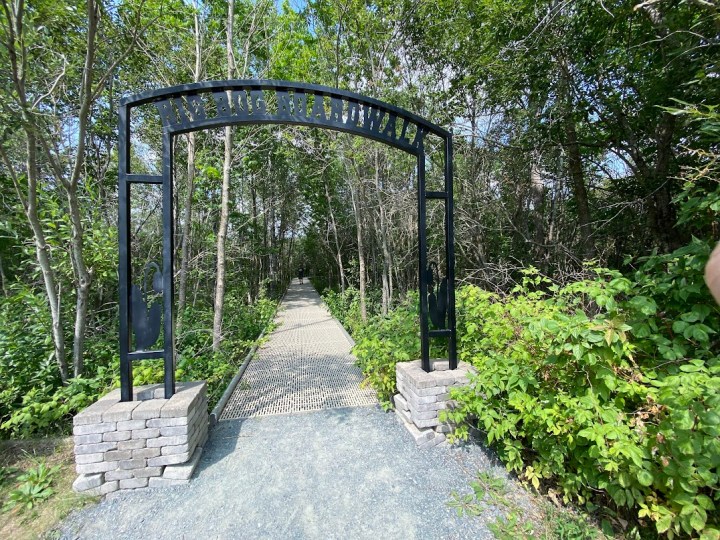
(337, 473)
(345, 473)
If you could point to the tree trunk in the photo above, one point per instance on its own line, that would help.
(387, 260)
(187, 206)
(224, 200)
(577, 178)
(338, 251)
(41, 248)
(256, 258)
(537, 190)
(272, 254)
(83, 277)
(43, 257)
(355, 195)
(3, 280)
(663, 210)
(186, 230)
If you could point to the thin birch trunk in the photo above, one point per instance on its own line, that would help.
(338, 251)
(224, 201)
(187, 206)
(575, 164)
(386, 262)
(355, 196)
(3, 279)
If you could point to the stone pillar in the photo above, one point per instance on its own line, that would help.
(423, 395)
(147, 442)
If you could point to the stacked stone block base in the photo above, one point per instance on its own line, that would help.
(147, 442)
(423, 395)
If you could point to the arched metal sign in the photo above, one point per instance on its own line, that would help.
(198, 106)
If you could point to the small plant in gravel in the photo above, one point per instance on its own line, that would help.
(488, 490)
(545, 522)
(512, 527)
(34, 486)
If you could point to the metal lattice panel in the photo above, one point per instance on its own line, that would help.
(305, 365)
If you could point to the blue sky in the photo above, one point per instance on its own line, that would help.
(297, 5)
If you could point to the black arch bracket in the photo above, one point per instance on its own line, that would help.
(198, 106)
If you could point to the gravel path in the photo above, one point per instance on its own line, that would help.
(345, 473)
(340, 473)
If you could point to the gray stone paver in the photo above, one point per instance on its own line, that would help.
(305, 365)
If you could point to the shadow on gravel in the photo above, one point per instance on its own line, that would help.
(223, 440)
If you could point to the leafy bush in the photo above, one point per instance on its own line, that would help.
(32, 399)
(607, 388)
(26, 350)
(345, 307)
(47, 409)
(384, 342)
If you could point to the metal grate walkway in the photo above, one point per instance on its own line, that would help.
(305, 365)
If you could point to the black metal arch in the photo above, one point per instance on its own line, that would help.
(204, 105)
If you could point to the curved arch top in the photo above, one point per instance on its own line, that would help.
(192, 107)
(196, 106)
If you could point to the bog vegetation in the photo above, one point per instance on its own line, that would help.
(587, 199)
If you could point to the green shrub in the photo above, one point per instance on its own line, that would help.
(26, 350)
(345, 306)
(47, 409)
(384, 342)
(607, 388)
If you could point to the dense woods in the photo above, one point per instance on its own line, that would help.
(586, 189)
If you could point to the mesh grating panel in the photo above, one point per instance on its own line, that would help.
(305, 365)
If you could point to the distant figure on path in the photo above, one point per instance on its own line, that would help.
(300, 275)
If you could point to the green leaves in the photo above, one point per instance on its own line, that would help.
(586, 398)
(383, 342)
(33, 487)
(645, 478)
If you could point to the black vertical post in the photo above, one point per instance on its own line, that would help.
(422, 261)
(450, 252)
(124, 270)
(168, 288)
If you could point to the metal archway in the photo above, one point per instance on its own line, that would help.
(193, 107)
